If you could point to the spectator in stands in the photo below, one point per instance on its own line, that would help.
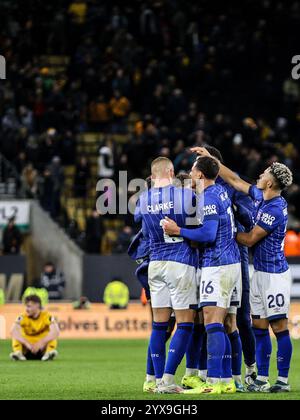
(99, 114)
(120, 107)
(106, 167)
(94, 233)
(46, 191)
(82, 303)
(124, 239)
(82, 176)
(12, 238)
(30, 180)
(57, 175)
(53, 280)
(78, 11)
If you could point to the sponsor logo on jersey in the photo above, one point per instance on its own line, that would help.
(210, 210)
(267, 219)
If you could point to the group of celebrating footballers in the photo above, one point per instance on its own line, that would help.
(193, 260)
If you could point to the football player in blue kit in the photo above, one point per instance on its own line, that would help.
(244, 209)
(271, 283)
(171, 272)
(220, 274)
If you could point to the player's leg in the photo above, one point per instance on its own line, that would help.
(18, 351)
(263, 355)
(50, 352)
(149, 384)
(183, 292)
(217, 285)
(281, 285)
(161, 305)
(142, 276)
(284, 355)
(232, 364)
(233, 339)
(244, 324)
(261, 331)
(203, 356)
(191, 378)
(214, 313)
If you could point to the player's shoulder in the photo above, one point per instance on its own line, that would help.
(45, 314)
(144, 195)
(21, 318)
(218, 192)
(277, 206)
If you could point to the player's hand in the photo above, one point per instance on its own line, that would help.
(201, 151)
(170, 227)
(28, 346)
(37, 347)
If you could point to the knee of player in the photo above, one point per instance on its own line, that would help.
(279, 325)
(230, 324)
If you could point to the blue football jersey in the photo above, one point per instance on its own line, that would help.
(176, 203)
(243, 205)
(139, 248)
(244, 212)
(224, 250)
(272, 216)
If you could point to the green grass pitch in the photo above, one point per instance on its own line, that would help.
(100, 370)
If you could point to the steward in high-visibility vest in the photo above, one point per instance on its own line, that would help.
(116, 295)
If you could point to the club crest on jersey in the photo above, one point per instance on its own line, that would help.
(210, 210)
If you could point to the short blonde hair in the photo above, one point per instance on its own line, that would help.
(160, 165)
(282, 174)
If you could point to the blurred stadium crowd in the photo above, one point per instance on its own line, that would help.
(95, 87)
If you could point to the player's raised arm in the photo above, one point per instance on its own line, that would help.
(227, 174)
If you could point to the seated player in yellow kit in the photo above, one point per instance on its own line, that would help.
(35, 333)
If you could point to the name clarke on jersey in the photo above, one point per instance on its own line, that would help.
(154, 208)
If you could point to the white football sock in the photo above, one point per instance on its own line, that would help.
(250, 369)
(283, 379)
(238, 378)
(191, 372)
(168, 379)
(213, 381)
(226, 380)
(263, 378)
(150, 378)
(203, 374)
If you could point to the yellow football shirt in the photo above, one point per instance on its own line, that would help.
(34, 327)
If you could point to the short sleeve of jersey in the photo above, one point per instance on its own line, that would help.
(255, 193)
(270, 217)
(19, 320)
(49, 319)
(211, 210)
